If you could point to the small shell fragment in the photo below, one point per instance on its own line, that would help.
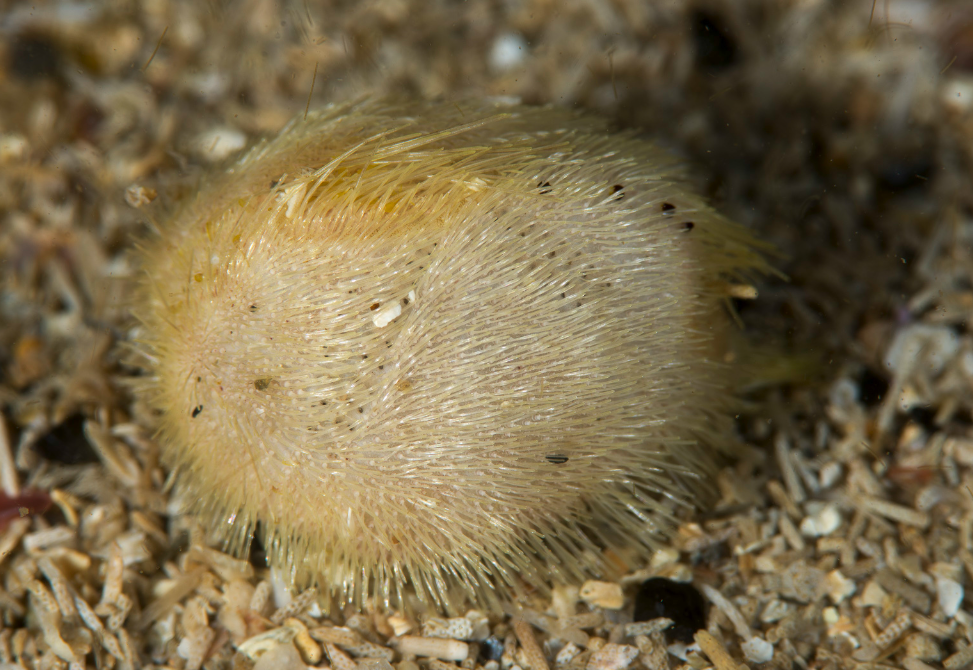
(400, 624)
(612, 657)
(260, 644)
(280, 657)
(386, 315)
(473, 626)
(431, 647)
(567, 654)
(607, 595)
(838, 586)
(339, 659)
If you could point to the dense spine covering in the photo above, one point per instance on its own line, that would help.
(450, 349)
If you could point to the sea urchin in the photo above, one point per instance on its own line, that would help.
(456, 349)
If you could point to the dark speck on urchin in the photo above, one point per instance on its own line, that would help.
(66, 443)
(681, 602)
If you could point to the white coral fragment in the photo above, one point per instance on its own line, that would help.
(387, 314)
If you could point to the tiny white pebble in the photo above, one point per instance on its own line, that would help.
(829, 474)
(664, 557)
(13, 146)
(950, 595)
(775, 611)
(386, 315)
(757, 650)
(210, 86)
(929, 347)
(830, 616)
(282, 594)
(823, 522)
(957, 94)
(508, 51)
(220, 142)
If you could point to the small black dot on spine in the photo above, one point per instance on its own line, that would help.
(668, 208)
(689, 225)
(253, 308)
(557, 459)
(196, 410)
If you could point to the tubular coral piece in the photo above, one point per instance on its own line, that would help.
(454, 349)
(532, 651)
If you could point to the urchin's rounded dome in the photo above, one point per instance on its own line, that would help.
(456, 348)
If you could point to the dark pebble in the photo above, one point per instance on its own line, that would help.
(681, 602)
(66, 443)
(34, 57)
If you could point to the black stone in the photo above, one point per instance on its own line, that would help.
(715, 48)
(34, 57)
(659, 597)
(872, 388)
(491, 649)
(258, 555)
(66, 443)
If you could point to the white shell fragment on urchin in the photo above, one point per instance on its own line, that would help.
(457, 349)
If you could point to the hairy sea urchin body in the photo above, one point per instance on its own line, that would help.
(456, 349)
